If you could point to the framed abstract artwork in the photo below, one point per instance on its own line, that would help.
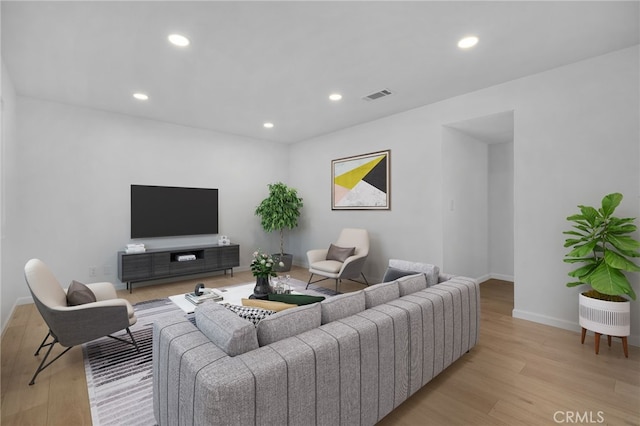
(361, 182)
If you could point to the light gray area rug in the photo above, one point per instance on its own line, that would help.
(119, 379)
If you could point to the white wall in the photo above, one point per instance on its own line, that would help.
(412, 229)
(501, 211)
(465, 198)
(567, 121)
(8, 292)
(69, 198)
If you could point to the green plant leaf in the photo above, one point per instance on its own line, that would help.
(623, 243)
(581, 259)
(573, 233)
(610, 203)
(609, 280)
(575, 283)
(573, 242)
(590, 214)
(621, 220)
(583, 271)
(621, 229)
(576, 218)
(581, 251)
(584, 228)
(614, 260)
(631, 253)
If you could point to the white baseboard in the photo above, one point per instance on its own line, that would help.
(502, 277)
(492, 276)
(483, 278)
(633, 339)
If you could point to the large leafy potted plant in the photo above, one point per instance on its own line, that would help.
(280, 211)
(601, 245)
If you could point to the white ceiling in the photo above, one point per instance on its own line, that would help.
(251, 62)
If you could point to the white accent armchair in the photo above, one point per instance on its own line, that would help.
(73, 325)
(348, 269)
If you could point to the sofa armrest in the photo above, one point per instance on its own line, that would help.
(442, 277)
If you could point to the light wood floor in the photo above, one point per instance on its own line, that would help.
(520, 373)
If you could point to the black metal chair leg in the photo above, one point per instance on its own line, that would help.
(132, 342)
(42, 365)
(309, 282)
(42, 344)
(365, 279)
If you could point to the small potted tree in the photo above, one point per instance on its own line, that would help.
(280, 211)
(601, 246)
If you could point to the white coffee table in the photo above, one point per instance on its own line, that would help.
(232, 295)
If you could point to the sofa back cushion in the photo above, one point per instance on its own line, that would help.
(380, 293)
(342, 306)
(392, 274)
(431, 271)
(411, 283)
(288, 323)
(228, 331)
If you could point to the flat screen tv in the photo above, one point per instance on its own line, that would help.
(169, 211)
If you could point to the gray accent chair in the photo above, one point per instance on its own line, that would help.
(73, 325)
(351, 268)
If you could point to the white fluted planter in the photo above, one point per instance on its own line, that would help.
(604, 317)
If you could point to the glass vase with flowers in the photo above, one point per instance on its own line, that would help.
(262, 267)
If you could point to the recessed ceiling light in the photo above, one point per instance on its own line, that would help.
(467, 42)
(179, 40)
(268, 125)
(335, 96)
(141, 96)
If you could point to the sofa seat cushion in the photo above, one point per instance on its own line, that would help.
(227, 330)
(431, 271)
(380, 293)
(342, 306)
(288, 323)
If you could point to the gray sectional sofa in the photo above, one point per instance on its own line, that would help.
(350, 359)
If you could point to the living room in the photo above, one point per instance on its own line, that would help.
(67, 170)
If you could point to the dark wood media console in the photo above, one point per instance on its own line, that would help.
(163, 263)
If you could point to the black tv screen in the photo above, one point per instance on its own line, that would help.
(168, 211)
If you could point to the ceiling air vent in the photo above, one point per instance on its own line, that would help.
(377, 95)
